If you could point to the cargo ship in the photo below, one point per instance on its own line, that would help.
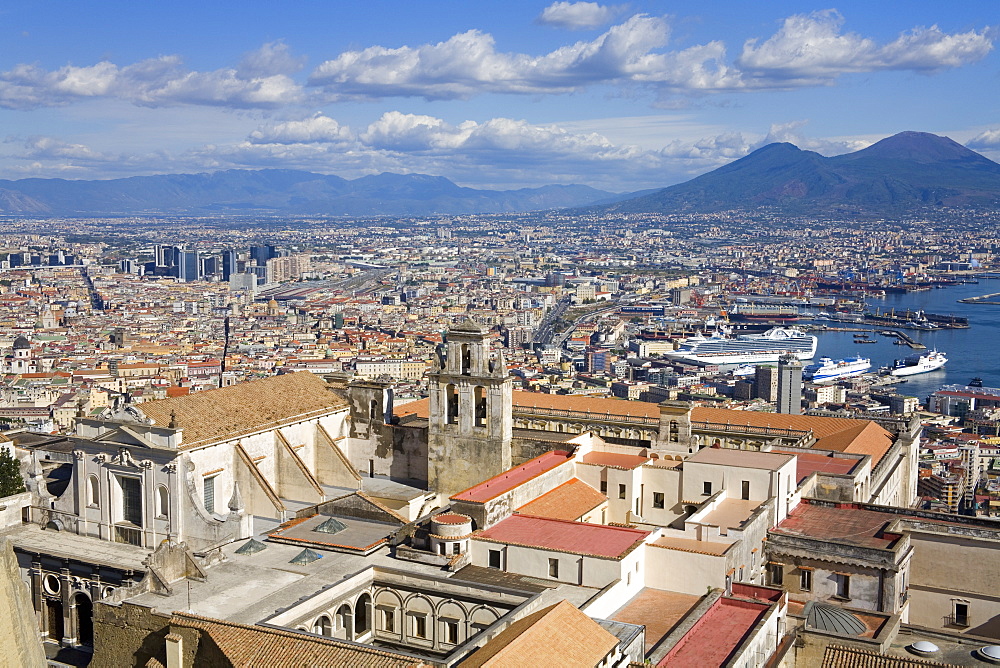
(777, 313)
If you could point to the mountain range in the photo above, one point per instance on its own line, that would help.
(280, 192)
(899, 174)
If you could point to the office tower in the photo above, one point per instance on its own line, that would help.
(789, 385)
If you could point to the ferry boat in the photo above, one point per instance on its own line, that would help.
(827, 370)
(746, 348)
(918, 363)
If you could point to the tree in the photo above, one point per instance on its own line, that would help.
(11, 481)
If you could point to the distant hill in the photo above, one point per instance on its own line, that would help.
(905, 172)
(279, 191)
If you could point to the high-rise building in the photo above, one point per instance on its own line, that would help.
(188, 266)
(789, 385)
(166, 256)
(261, 254)
(228, 264)
(765, 383)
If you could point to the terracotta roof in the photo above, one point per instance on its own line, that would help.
(563, 536)
(559, 635)
(596, 405)
(508, 480)
(614, 460)
(841, 434)
(808, 462)
(716, 635)
(252, 646)
(849, 657)
(569, 501)
(212, 415)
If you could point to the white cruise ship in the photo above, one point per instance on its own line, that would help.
(918, 363)
(746, 348)
(827, 370)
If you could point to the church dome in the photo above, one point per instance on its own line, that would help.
(825, 617)
(21, 343)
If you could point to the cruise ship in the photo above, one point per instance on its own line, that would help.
(827, 370)
(746, 348)
(918, 363)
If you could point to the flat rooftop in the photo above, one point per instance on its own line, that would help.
(843, 524)
(747, 459)
(508, 480)
(730, 514)
(658, 610)
(562, 536)
(87, 549)
(614, 460)
(693, 545)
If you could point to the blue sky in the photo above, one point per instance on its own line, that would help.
(489, 94)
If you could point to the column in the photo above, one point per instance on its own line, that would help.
(68, 605)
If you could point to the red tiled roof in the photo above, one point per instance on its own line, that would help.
(714, 637)
(809, 462)
(564, 536)
(508, 480)
(614, 459)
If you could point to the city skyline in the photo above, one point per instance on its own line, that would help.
(620, 97)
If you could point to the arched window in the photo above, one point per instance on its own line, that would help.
(162, 502)
(674, 431)
(451, 397)
(480, 398)
(323, 626)
(466, 359)
(94, 491)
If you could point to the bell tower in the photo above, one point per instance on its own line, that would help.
(471, 420)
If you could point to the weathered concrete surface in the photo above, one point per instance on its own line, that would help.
(20, 642)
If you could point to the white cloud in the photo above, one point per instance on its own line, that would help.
(468, 63)
(316, 129)
(159, 81)
(577, 15)
(987, 139)
(810, 49)
(269, 60)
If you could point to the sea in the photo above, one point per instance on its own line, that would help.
(972, 352)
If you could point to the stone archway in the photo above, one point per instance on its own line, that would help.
(345, 623)
(84, 619)
(362, 615)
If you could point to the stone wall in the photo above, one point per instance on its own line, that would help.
(21, 646)
(128, 635)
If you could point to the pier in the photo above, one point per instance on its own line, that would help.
(907, 339)
(993, 298)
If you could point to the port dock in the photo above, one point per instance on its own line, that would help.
(993, 298)
(905, 338)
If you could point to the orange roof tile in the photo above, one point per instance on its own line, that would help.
(569, 501)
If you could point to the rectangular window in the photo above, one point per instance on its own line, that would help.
(494, 558)
(621, 491)
(451, 632)
(553, 568)
(961, 614)
(208, 489)
(707, 488)
(131, 500)
(420, 626)
(604, 487)
(388, 619)
(806, 581)
(455, 547)
(843, 584)
(776, 574)
(657, 499)
(746, 490)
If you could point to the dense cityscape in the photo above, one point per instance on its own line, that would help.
(108, 319)
(575, 335)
